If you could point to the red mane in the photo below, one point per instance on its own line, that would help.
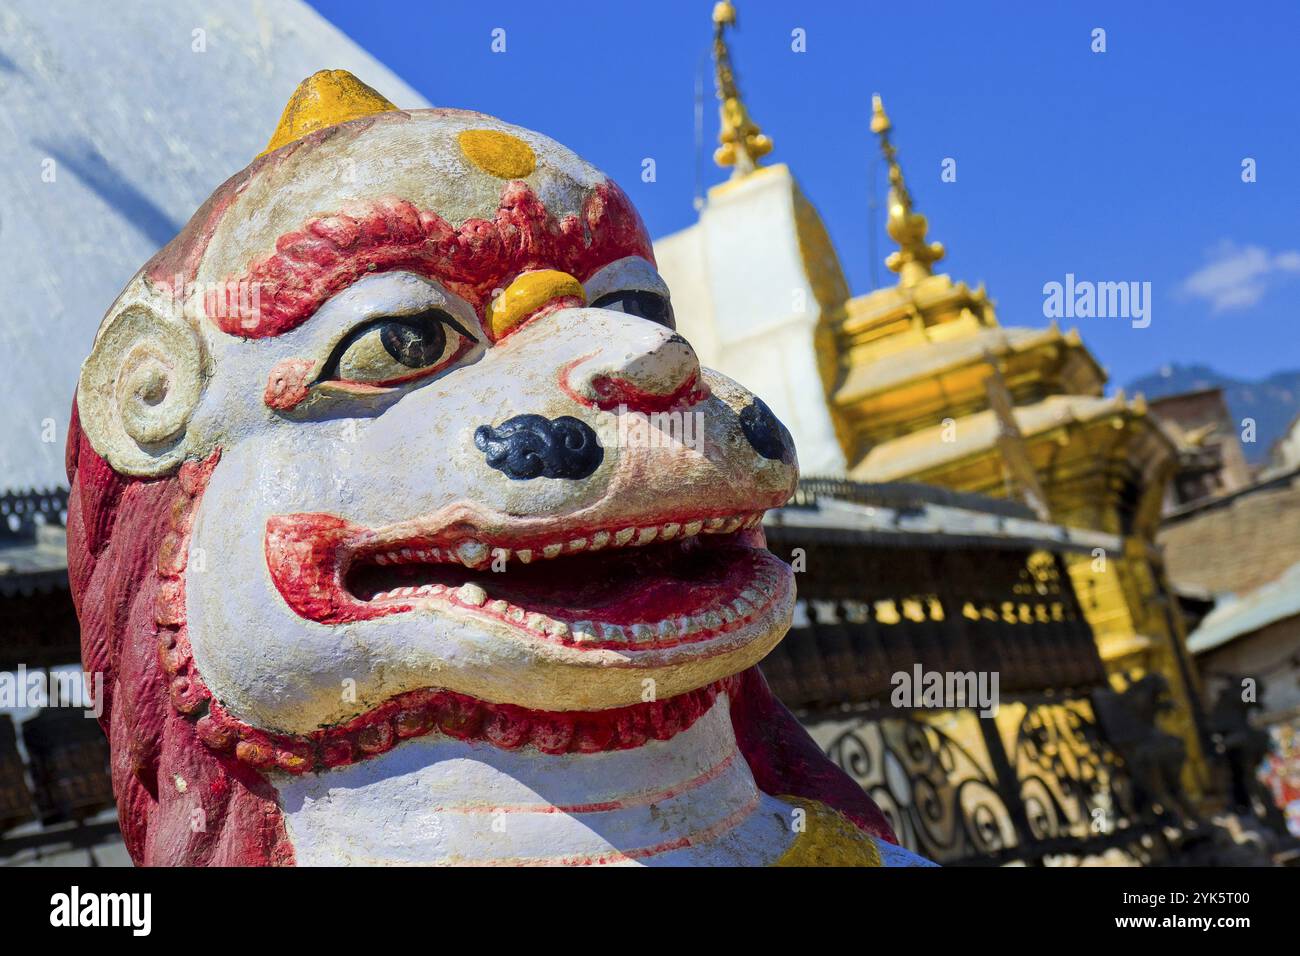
(331, 252)
(178, 801)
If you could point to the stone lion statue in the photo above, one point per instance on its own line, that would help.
(405, 529)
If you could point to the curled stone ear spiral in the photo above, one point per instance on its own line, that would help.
(138, 390)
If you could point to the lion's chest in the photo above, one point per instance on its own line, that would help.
(434, 800)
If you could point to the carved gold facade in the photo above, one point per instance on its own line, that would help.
(929, 387)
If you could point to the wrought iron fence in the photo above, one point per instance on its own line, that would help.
(1035, 782)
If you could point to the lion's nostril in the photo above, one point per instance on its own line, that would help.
(764, 431)
(650, 380)
(530, 446)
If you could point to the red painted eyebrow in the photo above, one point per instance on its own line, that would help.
(331, 252)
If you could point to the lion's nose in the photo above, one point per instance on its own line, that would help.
(530, 446)
(646, 370)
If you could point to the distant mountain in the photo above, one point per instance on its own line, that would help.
(1273, 401)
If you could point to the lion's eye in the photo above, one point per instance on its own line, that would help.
(392, 350)
(642, 304)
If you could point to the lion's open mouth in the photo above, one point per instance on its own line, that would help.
(634, 588)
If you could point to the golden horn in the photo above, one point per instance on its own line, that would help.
(325, 99)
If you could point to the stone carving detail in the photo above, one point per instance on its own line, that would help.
(343, 617)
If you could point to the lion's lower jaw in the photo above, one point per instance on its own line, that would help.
(435, 800)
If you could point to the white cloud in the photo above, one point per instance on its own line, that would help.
(1236, 277)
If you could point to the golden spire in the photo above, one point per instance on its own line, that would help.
(906, 227)
(743, 143)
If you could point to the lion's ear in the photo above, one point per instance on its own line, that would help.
(139, 389)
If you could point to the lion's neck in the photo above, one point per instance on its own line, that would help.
(691, 799)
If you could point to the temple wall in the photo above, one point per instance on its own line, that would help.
(744, 297)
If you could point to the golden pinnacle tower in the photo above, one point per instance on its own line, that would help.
(743, 143)
(928, 386)
(919, 382)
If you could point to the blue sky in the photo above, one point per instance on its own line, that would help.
(1117, 166)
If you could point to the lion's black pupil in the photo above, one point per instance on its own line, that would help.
(642, 304)
(414, 342)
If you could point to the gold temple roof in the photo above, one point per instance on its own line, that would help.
(933, 359)
(912, 356)
(925, 450)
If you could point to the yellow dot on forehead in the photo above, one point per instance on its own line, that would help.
(502, 155)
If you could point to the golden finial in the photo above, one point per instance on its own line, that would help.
(906, 227)
(326, 98)
(743, 143)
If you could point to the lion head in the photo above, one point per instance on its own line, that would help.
(397, 437)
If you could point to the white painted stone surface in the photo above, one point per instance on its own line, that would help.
(688, 801)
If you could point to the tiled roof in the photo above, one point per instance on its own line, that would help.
(1237, 616)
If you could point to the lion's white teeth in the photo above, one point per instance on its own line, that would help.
(669, 531)
(753, 520)
(471, 594)
(471, 553)
(646, 535)
(692, 528)
(639, 636)
(551, 550)
(577, 544)
(713, 524)
(623, 537)
(524, 555)
(599, 540)
(381, 559)
(731, 524)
